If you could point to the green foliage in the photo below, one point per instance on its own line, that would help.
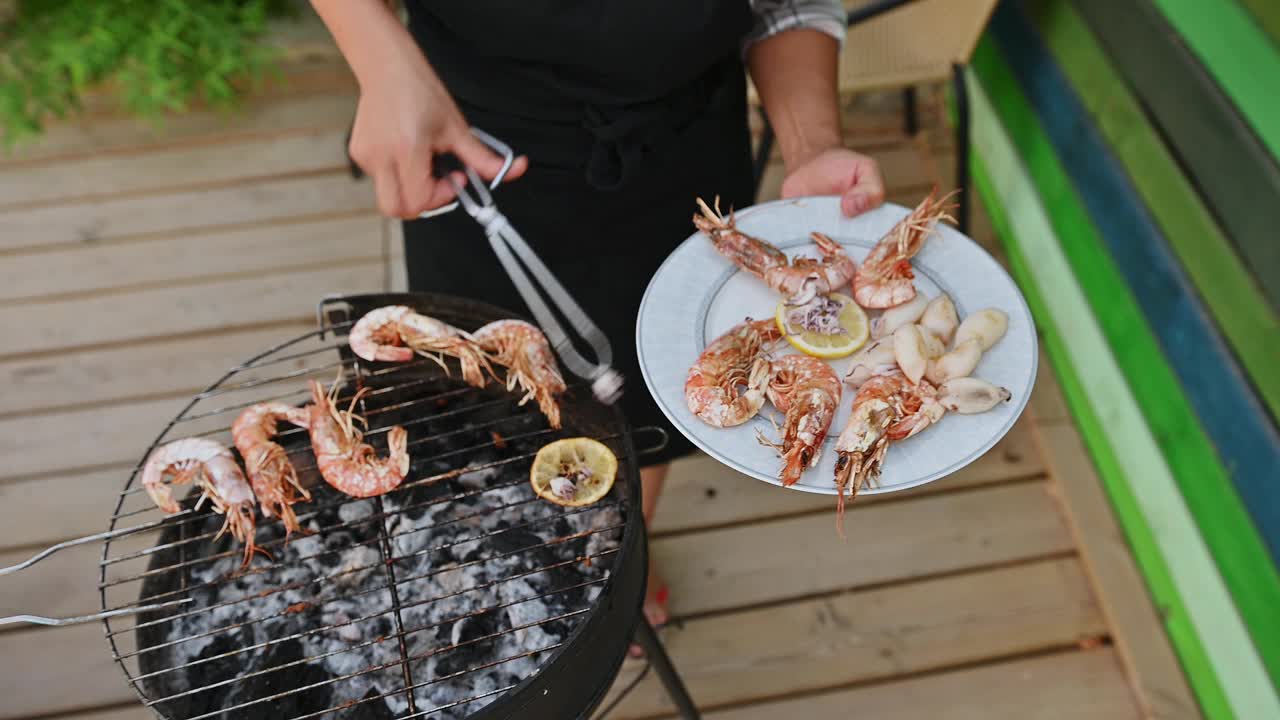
(158, 56)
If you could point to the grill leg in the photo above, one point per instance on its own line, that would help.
(647, 639)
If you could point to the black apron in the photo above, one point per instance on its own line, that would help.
(628, 111)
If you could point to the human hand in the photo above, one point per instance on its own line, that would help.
(404, 119)
(838, 171)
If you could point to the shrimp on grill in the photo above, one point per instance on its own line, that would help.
(434, 338)
(393, 333)
(274, 479)
(883, 280)
(214, 470)
(808, 391)
(343, 458)
(734, 360)
(376, 335)
(526, 353)
(800, 280)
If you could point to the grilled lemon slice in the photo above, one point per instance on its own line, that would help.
(574, 471)
(852, 319)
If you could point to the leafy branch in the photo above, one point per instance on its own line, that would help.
(157, 56)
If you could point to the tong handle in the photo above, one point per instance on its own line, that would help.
(507, 244)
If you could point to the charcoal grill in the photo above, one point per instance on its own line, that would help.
(458, 594)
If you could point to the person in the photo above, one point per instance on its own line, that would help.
(622, 113)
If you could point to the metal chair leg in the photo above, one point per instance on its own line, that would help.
(648, 641)
(962, 145)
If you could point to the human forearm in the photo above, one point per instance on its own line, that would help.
(370, 37)
(795, 74)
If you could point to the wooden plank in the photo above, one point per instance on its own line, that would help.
(1062, 686)
(702, 492)
(1159, 526)
(1158, 326)
(168, 169)
(1237, 176)
(153, 369)
(65, 584)
(1233, 48)
(1230, 292)
(60, 670)
(38, 513)
(122, 712)
(1047, 404)
(322, 194)
(257, 249)
(182, 309)
(1159, 684)
(1166, 386)
(92, 438)
(720, 569)
(872, 635)
(102, 437)
(876, 633)
(259, 116)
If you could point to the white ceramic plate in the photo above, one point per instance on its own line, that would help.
(697, 295)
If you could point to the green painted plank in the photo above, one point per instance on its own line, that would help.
(1162, 540)
(1229, 165)
(1222, 518)
(1235, 301)
(1164, 414)
(1238, 54)
(1267, 14)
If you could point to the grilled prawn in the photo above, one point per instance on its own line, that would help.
(884, 279)
(524, 350)
(344, 459)
(800, 280)
(393, 333)
(213, 469)
(808, 391)
(273, 478)
(735, 360)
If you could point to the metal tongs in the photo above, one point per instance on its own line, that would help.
(606, 383)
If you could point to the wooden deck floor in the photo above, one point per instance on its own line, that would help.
(136, 267)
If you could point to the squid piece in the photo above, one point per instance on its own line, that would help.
(987, 326)
(958, 363)
(970, 395)
(940, 318)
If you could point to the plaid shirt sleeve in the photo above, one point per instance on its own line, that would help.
(775, 16)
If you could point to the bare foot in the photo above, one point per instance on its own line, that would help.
(655, 599)
(655, 605)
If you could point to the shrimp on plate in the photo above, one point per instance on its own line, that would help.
(213, 469)
(884, 279)
(735, 360)
(800, 280)
(524, 350)
(273, 478)
(394, 333)
(887, 408)
(343, 458)
(808, 391)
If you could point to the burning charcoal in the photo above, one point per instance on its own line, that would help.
(281, 681)
(477, 556)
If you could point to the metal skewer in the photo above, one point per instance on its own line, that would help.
(606, 383)
(41, 620)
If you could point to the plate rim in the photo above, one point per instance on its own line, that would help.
(996, 437)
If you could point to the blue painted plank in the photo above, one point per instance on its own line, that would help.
(1232, 416)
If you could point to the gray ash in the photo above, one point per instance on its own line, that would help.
(490, 580)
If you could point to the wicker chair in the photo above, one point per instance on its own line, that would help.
(903, 44)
